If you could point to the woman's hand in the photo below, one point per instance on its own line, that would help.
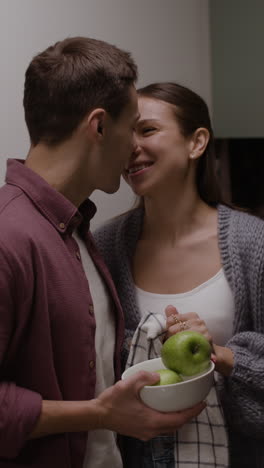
(222, 357)
(177, 322)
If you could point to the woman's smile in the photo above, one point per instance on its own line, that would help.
(138, 169)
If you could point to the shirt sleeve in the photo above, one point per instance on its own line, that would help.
(19, 407)
(244, 389)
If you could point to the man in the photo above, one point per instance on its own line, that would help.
(61, 324)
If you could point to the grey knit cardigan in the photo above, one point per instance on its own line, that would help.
(241, 243)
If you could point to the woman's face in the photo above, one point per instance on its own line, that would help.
(162, 158)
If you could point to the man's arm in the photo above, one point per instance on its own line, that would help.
(23, 414)
(19, 407)
(118, 408)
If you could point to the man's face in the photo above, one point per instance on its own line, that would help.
(119, 143)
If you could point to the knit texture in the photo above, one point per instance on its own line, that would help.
(241, 244)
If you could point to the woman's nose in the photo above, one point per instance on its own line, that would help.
(136, 147)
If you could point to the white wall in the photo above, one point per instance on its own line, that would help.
(169, 39)
(237, 67)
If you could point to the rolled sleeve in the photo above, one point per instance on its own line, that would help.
(19, 407)
(19, 411)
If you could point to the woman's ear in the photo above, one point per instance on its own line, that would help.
(199, 142)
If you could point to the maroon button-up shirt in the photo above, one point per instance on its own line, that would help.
(47, 330)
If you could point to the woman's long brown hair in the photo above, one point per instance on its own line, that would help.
(191, 112)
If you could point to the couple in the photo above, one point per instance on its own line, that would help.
(58, 301)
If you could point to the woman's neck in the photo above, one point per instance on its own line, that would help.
(169, 220)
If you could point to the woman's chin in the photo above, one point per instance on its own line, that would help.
(139, 191)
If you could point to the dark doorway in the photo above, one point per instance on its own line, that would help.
(241, 172)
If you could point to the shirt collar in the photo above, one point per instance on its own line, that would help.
(52, 204)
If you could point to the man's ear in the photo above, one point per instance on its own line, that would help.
(199, 142)
(96, 122)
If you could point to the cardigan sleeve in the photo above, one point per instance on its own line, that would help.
(241, 240)
(244, 389)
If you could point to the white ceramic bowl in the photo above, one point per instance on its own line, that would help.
(174, 397)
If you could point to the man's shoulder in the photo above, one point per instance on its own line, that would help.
(10, 209)
(8, 195)
(18, 218)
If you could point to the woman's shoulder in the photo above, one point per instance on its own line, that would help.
(117, 237)
(119, 226)
(241, 227)
(231, 215)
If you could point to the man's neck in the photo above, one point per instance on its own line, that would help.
(60, 167)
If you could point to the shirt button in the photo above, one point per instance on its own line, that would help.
(91, 309)
(62, 226)
(91, 364)
(78, 255)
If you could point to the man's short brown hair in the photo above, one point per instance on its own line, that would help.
(71, 78)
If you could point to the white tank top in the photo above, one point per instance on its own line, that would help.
(213, 301)
(101, 449)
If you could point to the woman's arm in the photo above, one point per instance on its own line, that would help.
(241, 364)
(223, 358)
(242, 393)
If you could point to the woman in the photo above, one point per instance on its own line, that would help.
(181, 246)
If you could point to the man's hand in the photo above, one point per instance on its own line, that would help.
(122, 410)
(119, 409)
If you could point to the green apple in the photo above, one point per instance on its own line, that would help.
(168, 377)
(187, 352)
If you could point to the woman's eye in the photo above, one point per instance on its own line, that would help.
(147, 130)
